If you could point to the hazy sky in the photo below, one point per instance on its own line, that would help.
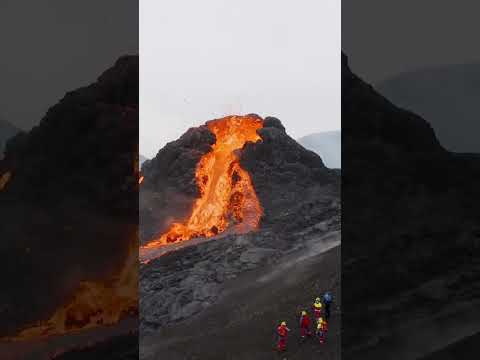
(385, 38)
(206, 59)
(49, 47)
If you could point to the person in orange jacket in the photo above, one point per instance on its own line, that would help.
(317, 308)
(304, 325)
(282, 332)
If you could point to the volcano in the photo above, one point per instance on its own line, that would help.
(69, 209)
(227, 197)
(225, 210)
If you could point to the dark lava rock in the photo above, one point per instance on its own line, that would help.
(284, 173)
(118, 348)
(70, 209)
(410, 208)
(271, 121)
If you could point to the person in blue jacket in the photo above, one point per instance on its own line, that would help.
(327, 302)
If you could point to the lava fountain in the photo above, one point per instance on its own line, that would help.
(227, 197)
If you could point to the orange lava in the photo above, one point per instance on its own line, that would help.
(227, 196)
(94, 304)
(4, 179)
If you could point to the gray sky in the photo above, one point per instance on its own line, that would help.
(49, 47)
(385, 38)
(205, 59)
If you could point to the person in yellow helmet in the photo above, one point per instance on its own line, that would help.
(322, 328)
(282, 332)
(317, 308)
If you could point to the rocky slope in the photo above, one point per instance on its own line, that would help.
(69, 208)
(300, 198)
(328, 145)
(241, 323)
(410, 229)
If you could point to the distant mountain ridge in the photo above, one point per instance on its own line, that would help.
(142, 159)
(447, 97)
(328, 145)
(7, 131)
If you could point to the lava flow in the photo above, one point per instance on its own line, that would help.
(227, 196)
(4, 179)
(94, 304)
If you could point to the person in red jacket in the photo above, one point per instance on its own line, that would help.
(322, 328)
(282, 332)
(317, 308)
(304, 325)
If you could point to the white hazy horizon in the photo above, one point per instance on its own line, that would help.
(208, 59)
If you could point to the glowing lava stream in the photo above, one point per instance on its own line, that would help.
(227, 196)
(94, 304)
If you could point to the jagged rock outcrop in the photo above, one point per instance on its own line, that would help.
(70, 207)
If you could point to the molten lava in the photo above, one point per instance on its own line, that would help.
(227, 196)
(94, 304)
(4, 179)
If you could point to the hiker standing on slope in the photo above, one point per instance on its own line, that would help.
(317, 308)
(322, 328)
(327, 301)
(282, 332)
(304, 325)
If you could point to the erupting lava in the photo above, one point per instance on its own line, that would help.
(94, 304)
(227, 196)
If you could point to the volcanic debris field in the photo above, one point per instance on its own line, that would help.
(222, 296)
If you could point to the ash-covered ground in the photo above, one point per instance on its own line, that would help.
(223, 297)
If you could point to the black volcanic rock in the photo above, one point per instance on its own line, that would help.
(271, 121)
(70, 209)
(410, 215)
(283, 172)
(119, 348)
